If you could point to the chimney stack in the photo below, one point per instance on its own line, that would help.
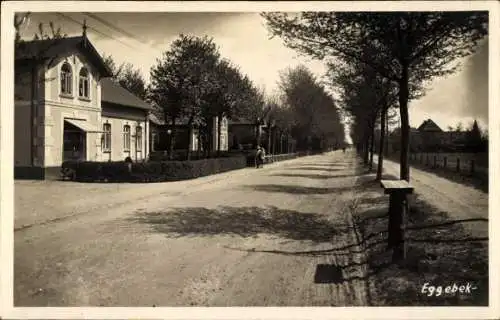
(84, 33)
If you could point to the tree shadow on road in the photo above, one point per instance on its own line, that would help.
(440, 251)
(315, 176)
(326, 169)
(240, 221)
(278, 188)
(324, 164)
(310, 176)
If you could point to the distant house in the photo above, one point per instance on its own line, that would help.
(429, 126)
(242, 133)
(429, 137)
(161, 134)
(235, 134)
(126, 116)
(77, 112)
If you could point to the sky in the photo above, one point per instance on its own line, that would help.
(141, 38)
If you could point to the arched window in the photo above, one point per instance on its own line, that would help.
(138, 138)
(106, 138)
(126, 137)
(66, 79)
(83, 83)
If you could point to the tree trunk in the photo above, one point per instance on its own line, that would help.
(210, 137)
(257, 134)
(380, 165)
(281, 142)
(273, 132)
(405, 128)
(219, 121)
(190, 139)
(372, 143)
(172, 139)
(387, 131)
(268, 140)
(273, 142)
(206, 143)
(366, 144)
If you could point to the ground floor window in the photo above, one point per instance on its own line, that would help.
(138, 138)
(154, 141)
(106, 138)
(126, 138)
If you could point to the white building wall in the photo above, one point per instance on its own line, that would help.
(54, 130)
(118, 152)
(54, 108)
(223, 136)
(53, 83)
(59, 107)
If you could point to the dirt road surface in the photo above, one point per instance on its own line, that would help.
(459, 201)
(189, 243)
(251, 237)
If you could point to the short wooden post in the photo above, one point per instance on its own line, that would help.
(472, 167)
(445, 162)
(427, 162)
(398, 211)
(435, 161)
(458, 164)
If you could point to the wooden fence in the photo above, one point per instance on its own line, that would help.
(464, 163)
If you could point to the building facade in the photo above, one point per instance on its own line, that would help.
(67, 109)
(161, 133)
(428, 137)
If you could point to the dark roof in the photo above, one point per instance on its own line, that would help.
(430, 126)
(50, 48)
(113, 93)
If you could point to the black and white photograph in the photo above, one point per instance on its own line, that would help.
(258, 156)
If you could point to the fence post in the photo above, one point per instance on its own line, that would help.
(445, 162)
(427, 160)
(472, 166)
(458, 164)
(435, 162)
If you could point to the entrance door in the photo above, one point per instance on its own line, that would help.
(74, 143)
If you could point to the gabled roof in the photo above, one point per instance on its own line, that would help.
(429, 126)
(113, 93)
(49, 48)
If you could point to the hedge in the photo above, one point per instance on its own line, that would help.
(280, 157)
(180, 155)
(150, 171)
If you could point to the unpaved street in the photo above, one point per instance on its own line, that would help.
(459, 201)
(253, 237)
(193, 243)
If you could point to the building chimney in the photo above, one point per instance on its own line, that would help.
(84, 33)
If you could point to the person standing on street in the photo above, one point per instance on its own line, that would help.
(259, 157)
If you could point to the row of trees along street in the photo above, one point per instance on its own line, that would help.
(379, 61)
(192, 82)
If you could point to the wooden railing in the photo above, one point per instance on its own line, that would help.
(280, 157)
(460, 163)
